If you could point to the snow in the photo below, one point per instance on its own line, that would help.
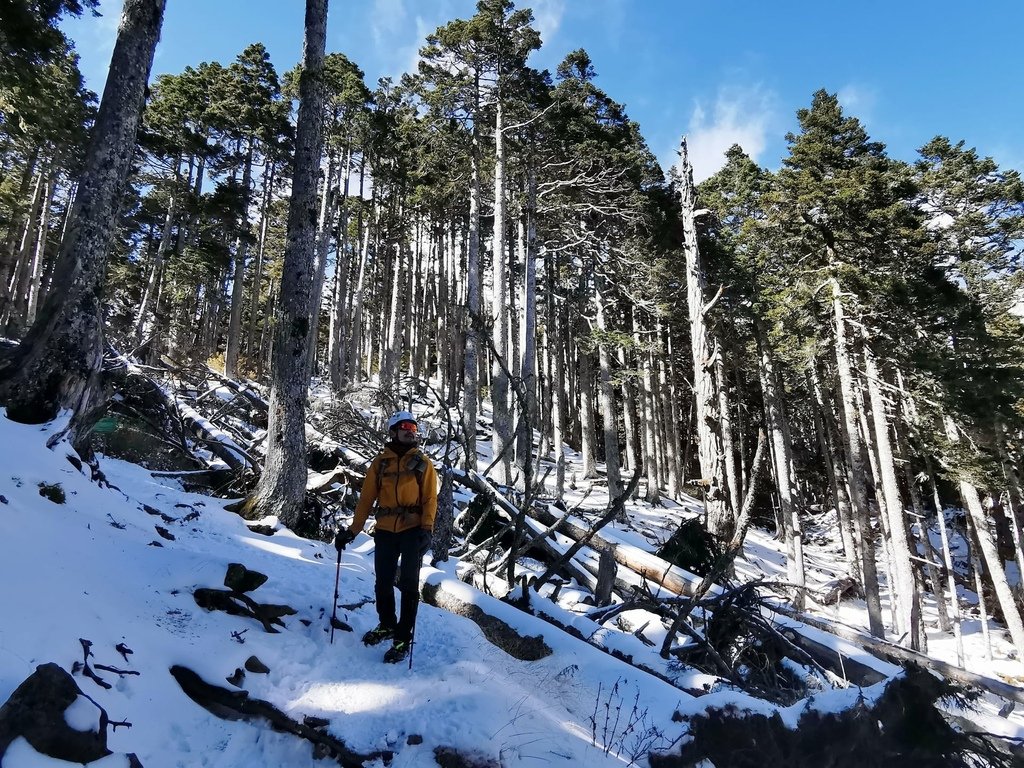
(94, 568)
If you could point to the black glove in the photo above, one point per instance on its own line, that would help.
(343, 539)
(426, 539)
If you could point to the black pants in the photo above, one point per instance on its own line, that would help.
(389, 548)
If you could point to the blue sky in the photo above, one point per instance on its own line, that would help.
(719, 72)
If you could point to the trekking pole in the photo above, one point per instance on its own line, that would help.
(337, 623)
(412, 646)
(334, 605)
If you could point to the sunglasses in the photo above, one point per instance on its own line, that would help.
(407, 426)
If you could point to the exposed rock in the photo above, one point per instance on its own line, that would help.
(253, 664)
(241, 579)
(35, 711)
(447, 757)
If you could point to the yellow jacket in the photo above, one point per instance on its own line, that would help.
(403, 500)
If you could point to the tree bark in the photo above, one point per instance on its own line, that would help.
(650, 430)
(947, 560)
(585, 367)
(142, 324)
(39, 259)
(556, 348)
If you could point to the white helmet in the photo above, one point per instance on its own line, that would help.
(400, 416)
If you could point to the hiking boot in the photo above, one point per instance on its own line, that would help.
(397, 652)
(378, 635)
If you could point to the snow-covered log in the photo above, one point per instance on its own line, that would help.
(458, 598)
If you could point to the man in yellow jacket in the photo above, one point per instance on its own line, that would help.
(403, 484)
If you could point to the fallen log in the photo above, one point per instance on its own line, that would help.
(253, 398)
(623, 646)
(221, 445)
(651, 567)
(497, 632)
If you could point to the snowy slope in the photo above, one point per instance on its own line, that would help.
(96, 568)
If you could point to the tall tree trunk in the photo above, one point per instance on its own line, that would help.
(1013, 498)
(58, 363)
(282, 487)
(925, 552)
(883, 510)
(255, 294)
(836, 471)
(609, 416)
(324, 231)
(971, 532)
(588, 436)
(728, 453)
(556, 348)
(648, 398)
(337, 342)
(908, 603)
(234, 344)
(392, 346)
(142, 323)
(502, 432)
(781, 455)
(39, 259)
(709, 442)
(471, 380)
(352, 371)
(851, 435)
(10, 246)
(528, 334)
(947, 560)
(19, 287)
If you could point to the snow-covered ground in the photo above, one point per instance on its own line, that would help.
(96, 568)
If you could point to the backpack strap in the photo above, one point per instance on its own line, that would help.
(381, 466)
(417, 464)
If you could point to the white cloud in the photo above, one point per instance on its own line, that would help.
(858, 101)
(741, 116)
(388, 17)
(411, 53)
(398, 37)
(547, 15)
